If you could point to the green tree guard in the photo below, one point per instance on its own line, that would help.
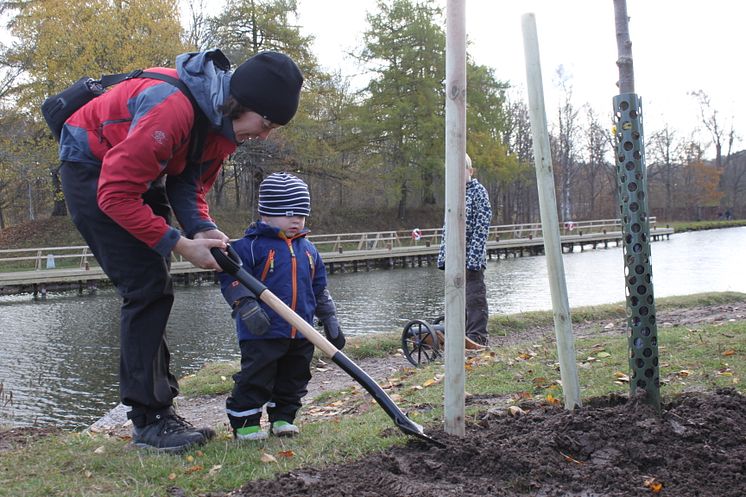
(638, 270)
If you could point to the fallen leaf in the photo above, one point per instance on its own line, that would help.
(430, 382)
(194, 469)
(88, 474)
(603, 355)
(551, 399)
(215, 469)
(172, 476)
(99, 450)
(654, 485)
(267, 458)
(729, 353)
(516, 411)
(286, 453)
(190, 458)
(570, 459)
(621, 377)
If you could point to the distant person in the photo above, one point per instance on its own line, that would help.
(124, 169)
(478, 217)
(275, 357)
(728, 215)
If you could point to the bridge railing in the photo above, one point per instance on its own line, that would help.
(81, 257)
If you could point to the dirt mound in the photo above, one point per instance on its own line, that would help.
(610, 448)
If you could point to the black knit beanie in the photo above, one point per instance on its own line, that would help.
(282, 194)
(269, 84)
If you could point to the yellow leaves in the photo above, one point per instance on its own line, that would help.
(652, 484)
(621, 378)
(525, 356)
(725, 371)
(430, 382)
(552, 400)
(267, 458)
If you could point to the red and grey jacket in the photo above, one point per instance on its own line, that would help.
(291, 268)
(138, 132)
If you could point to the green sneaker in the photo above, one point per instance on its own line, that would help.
(284, 429)
(250, 433)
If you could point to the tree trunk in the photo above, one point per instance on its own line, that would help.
(59, 208)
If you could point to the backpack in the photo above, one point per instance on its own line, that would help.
(58, 108)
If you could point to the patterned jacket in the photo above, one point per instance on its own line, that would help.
(478, 217)
(139, 132)
(291, 268)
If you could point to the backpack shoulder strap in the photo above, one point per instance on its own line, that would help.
(199, 130)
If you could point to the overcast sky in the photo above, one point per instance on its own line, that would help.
(678, 46)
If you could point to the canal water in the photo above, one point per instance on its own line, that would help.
(59, 356)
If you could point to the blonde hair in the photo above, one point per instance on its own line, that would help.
(468, 162)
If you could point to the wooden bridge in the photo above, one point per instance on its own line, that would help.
(39, 269)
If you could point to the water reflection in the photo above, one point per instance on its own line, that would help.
(59, 356)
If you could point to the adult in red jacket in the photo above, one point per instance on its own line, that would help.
(125, 169)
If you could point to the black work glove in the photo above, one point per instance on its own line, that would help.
(333, 332)
(326, 311)
(252, 315)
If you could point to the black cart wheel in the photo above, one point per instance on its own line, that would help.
(419, 342)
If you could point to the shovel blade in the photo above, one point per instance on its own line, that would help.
(401, 420)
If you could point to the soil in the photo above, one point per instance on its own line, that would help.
(613, 446)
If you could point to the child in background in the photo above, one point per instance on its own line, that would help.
(275, 357)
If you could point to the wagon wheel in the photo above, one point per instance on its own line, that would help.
(419, 343)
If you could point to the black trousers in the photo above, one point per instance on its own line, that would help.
(477, 310)
(142, 279)
(273, 372)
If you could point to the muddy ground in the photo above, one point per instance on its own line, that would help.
(610, 448)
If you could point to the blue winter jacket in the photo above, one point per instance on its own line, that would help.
(291, 268)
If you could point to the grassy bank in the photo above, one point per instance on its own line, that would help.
(691, 357)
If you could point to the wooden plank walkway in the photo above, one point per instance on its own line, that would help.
(37, 269)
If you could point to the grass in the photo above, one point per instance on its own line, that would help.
(680, 226)
(696, 358)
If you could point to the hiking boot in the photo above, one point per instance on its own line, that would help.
(479, 340)
(169, 433)
(284, 429)
(207, 432)
(254, 432)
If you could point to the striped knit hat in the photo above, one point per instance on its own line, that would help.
(282, 194)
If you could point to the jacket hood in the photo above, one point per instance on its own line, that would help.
(207, 75)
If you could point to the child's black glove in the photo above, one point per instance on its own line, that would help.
(252, 315)
(333, 332)
(326, 311)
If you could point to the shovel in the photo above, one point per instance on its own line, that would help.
(232, 265)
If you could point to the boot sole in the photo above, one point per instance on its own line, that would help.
(166, 450)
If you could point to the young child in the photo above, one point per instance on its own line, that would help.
(275, 357)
